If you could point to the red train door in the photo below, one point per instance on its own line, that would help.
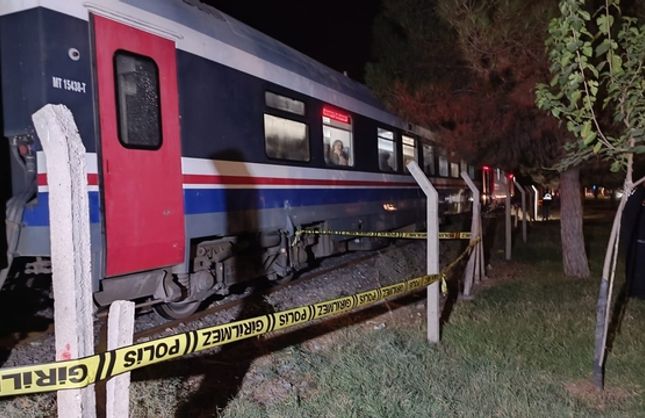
(140, 151)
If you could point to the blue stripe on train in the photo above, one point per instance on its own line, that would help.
(221, 200)
(198, 201)
(38, 213)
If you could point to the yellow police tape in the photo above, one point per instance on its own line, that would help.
(79, 373)
(383, 234)
(82, 372)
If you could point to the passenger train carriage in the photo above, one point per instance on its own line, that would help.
(208, 145)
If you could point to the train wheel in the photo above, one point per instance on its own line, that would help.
(177, 310)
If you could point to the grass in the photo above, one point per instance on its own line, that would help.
(522, 348)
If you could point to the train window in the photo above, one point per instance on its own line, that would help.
(428, 160)
(454, 170)
(409, 151)
(443, 166)
(285, 138)
(386, 150)
(337, 137)
(463, 166)
(284, 103)
(471, 171)
(137, 100)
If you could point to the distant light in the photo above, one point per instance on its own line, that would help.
(335, 115)
(389, 207)
(486, 168)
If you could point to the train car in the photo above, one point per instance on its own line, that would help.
(496, 184)
(208, 145)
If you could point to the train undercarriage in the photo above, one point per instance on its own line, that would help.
(217, 265)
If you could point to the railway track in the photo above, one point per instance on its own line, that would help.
(244, 298)
(252, 300)
(17, 340)
(249, 293)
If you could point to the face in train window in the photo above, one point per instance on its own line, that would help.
(286, 135)
(386, 150)
(409, 151)
(137, 100)
(337, 138)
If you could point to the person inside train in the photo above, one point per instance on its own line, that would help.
(384, 161)
(337, 155)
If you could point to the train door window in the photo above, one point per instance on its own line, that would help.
(409, 151)
(443, 166)
(137, 100)
(454, 170)
(428, 160)
(286, 135)
(386, 150)
(337, 137)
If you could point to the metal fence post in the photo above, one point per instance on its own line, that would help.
(536, 199)
(473, 269)
(432, 220)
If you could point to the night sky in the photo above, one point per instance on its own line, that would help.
(334, 32)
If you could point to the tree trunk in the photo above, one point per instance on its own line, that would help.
(574, 255)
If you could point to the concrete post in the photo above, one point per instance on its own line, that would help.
(70, 247)
(432, 214)
(536, 199)
(508, 220)
(120, 332)
(521, 189)
(473, 271)
(529, 203)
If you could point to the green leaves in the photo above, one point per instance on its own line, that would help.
(603, 47)
(605, 22)
(597, 69)
(587, 135)
(616, 64)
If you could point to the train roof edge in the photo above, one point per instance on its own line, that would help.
(212, 23)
